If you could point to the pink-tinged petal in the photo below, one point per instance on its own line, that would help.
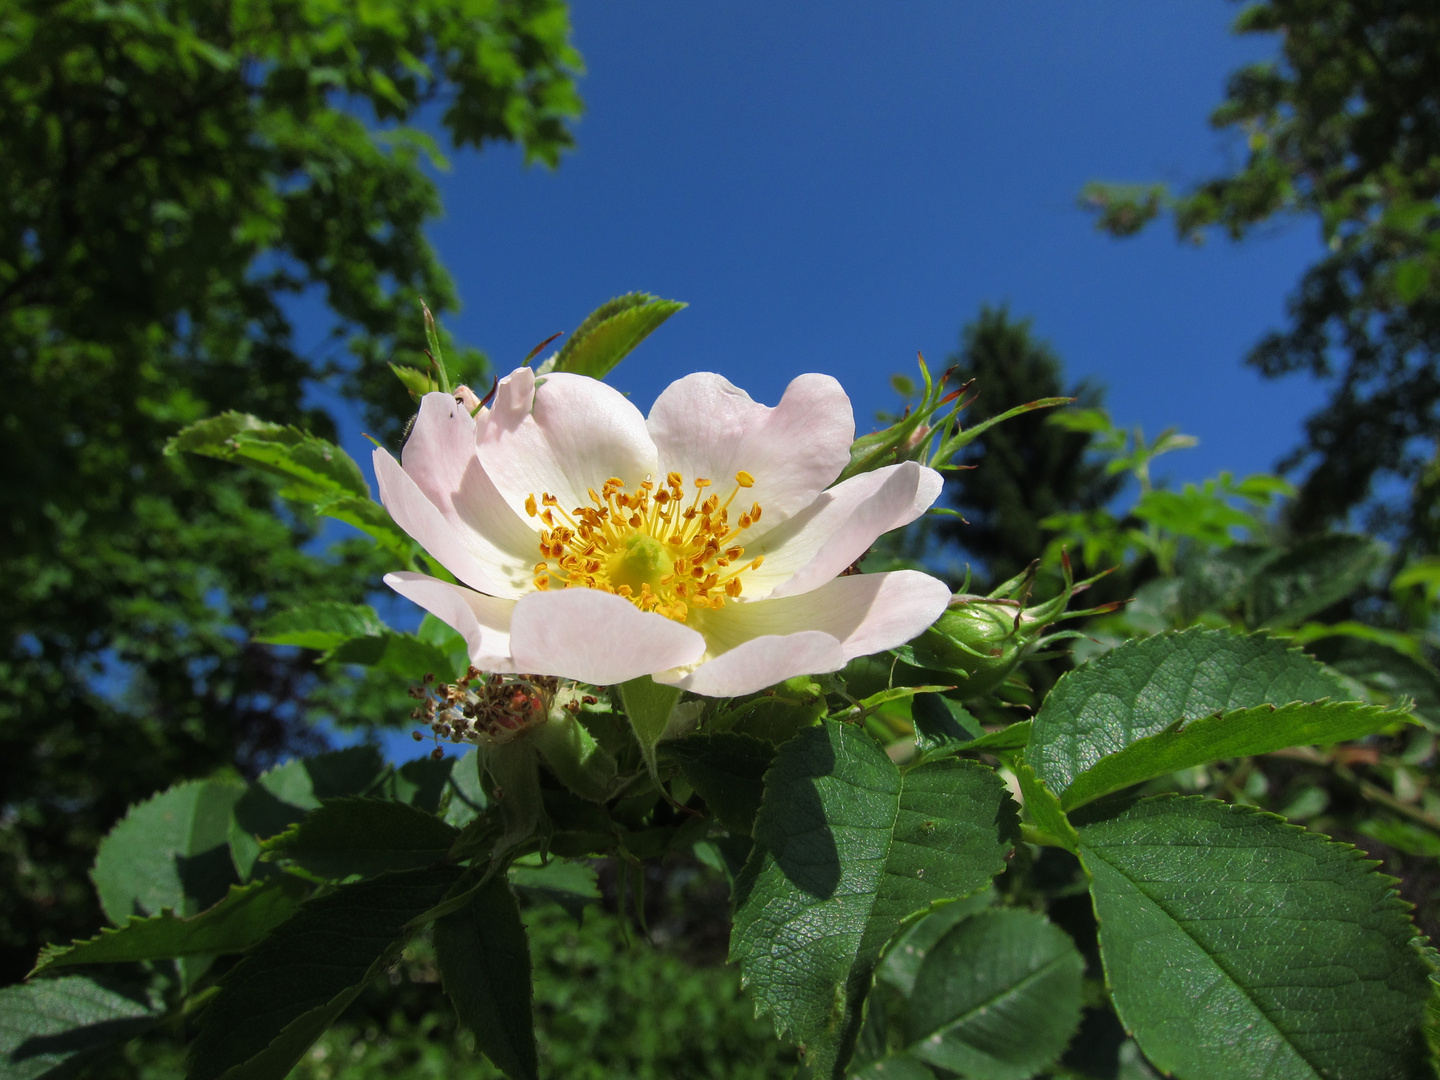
(483, 621)
(440, 457)
(565, 436)
(838, 528)
(597, 637)
(422, 519)
(865, 612)
(705, 426)
(761, 662)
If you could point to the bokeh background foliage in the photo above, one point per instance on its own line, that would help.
(180, 178)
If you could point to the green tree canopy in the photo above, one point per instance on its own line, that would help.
(1343, 126)
(173, 173)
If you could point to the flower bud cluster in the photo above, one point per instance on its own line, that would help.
(488, 709)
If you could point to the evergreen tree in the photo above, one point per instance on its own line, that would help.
(1025, 469)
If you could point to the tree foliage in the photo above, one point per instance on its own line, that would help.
(176, 174)
(1343, 127)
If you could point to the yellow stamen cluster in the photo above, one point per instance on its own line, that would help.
(650, 546)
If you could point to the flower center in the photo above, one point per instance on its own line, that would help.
(650, 546)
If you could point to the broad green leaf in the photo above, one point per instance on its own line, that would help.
(941, 725)
(314, 470)
(1243, 733)
(284, 794)
(466, 793)
(895, 1067)
(484, 960)
(49, 1028)
(611, 332)
(169, 852)
(322, 625)
(1014, 737)
(287, 990)
(1045, 809)
(1386, 673)
(728, 770)
(571, 884)
(997, 998)
(1143, 687)
(1308, 577)
(403, 654)
(908, 951)
(372, 519)
(846, 847)
(233, 925)
(363, 836)
(648, 705)
(1237, 945)
(422, 782)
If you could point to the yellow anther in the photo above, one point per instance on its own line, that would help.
(646, 544)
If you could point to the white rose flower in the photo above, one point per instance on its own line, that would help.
(699, 546)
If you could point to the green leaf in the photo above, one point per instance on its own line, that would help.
(363, 836)
(648, 705)
(611, 332)
(322, 625)
(287, 990)
(50, 1028)
(372, 519)
(1045, 809)
(997, 998)
(233, 925)
(1237, 945)
(1014, 737)
(169, 852)
(908, 951)
(403, 654)
(484, 961)
(728, 771)
(314, 469)
(941, 725)
(283, 795)
(846, 848)
(1308, 577)
(467, 794)
(1143, 687)
(571, 884)
(895, 1067)
(1243, 733)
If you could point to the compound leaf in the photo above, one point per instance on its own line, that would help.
(287, 990)
(846, 848)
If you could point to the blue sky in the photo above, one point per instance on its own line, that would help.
(835, 186)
